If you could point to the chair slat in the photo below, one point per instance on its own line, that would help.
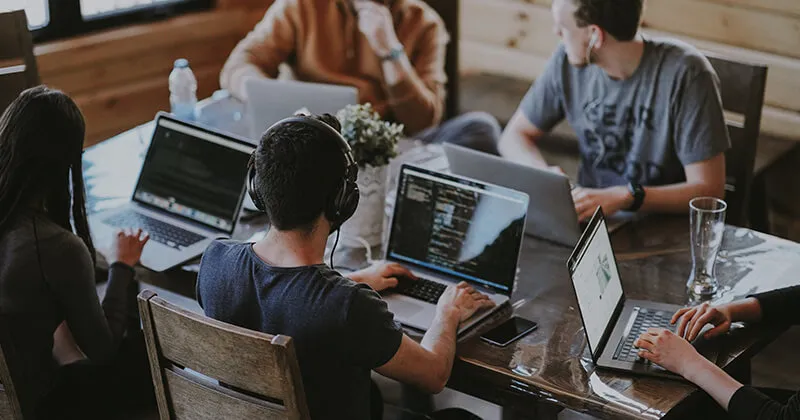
(192, 400)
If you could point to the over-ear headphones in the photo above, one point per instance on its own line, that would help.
(344, 201)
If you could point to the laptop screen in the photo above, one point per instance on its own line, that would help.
(194, 173)
(596, 280)
(461, 228)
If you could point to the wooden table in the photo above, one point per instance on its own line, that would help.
(551, 364)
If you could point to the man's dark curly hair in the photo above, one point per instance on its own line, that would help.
(620, 18)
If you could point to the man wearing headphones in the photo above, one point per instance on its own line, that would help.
(303, 176)
(647, 112)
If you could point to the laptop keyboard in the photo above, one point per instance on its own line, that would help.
(646, 318)
(422, 289)
(163, 233)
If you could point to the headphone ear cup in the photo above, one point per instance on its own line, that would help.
(349, 201)
(252, 192)
(344, 204)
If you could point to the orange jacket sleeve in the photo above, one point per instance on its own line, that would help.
(417, 100)
(261, 52)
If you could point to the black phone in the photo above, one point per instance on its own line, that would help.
(509, 331)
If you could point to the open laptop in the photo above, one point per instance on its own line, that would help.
(270, 100)
(189, 192)
(611, 321)
(551, 213)
(447, 229)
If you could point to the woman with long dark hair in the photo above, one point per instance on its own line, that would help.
(48, 298)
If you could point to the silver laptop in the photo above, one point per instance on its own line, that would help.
(189, 192)
(611, 321)
(269, 101)
(551, 214)
(447, 229)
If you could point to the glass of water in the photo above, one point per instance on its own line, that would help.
(707, 226)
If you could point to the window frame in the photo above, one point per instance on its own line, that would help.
(66, 20)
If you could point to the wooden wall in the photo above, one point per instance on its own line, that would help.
(119, 77)
(515, 38)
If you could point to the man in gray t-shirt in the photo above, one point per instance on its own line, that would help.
(647, 112)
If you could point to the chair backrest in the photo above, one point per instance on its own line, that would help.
(448, 10)
(742, 88)
(206, 369)
(10, 407)
(18, 69)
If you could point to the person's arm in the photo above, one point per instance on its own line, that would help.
(261, 52)
(703, 179)
(781, 306)
(428, 364)
(518, 142)
(742, 402)
(97, 328)
(538, 112)
(415, 84)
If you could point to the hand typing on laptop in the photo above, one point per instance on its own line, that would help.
(381, 276)
(126, 246)
(462, 300)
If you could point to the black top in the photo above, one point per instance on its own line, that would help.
(777, 307)
(341, 329)
(35, 299)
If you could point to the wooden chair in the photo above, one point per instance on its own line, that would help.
(742, 88)
(18, 69)
(243, 374)
(449, 12)
(10, 407)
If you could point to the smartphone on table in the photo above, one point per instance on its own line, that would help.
(509, 331)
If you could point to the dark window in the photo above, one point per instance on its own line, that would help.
(53, 19)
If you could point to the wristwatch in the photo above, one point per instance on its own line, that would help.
(637, 192)
(394, 54)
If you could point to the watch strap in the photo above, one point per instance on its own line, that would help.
(637, 192)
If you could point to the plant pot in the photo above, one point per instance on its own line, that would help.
(366, 225)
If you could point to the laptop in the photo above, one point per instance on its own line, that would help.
(189, 192)
(551, 213)
(447, 229)
(611, 321)
(270, 100)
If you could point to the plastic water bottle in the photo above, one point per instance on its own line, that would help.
(182, 90)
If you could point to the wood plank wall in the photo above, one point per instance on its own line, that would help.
(515, 38)
(119, 77)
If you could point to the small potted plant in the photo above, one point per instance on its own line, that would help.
(374, 144)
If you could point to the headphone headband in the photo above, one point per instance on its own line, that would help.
(303, 119)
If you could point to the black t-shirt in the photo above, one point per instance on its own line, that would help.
(341, 329)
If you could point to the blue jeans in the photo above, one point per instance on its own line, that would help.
(475, 130)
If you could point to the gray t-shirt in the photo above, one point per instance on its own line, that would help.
(645, 128)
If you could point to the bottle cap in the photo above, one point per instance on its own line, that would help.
(181, 63)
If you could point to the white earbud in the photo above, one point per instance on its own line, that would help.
(592, 43)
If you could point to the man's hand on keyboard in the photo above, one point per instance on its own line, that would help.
(127, 246)
(668, 350)
(381, 276)
(462, 300)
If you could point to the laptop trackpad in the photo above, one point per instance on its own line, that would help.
(405, 308)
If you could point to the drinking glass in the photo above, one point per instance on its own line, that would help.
(707, 226)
